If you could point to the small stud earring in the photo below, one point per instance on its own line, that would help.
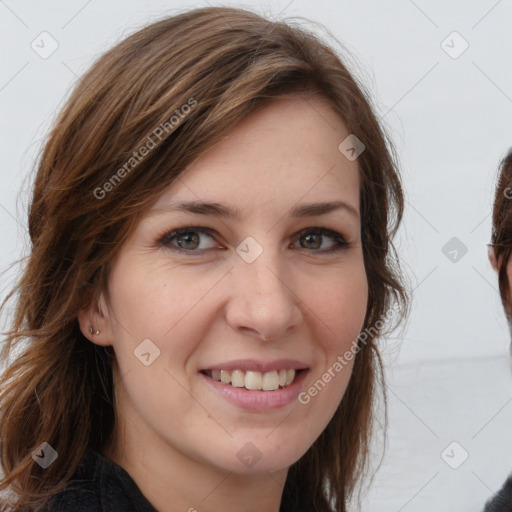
(92, 331)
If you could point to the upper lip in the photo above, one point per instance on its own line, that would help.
(259, 366)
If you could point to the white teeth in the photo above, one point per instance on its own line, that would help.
(253, 380)
(237, 379)
(269, 381)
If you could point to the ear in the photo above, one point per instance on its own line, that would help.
(492, 258)
(95, 322)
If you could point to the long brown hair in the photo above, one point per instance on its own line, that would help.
(229, 62)
(501, 237)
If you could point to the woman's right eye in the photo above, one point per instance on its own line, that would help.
(187, 240)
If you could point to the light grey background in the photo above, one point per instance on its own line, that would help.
(451, 120)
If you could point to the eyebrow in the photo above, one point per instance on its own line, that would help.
(227, 211)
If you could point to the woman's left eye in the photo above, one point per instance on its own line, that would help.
(314, 237)
(189, 240)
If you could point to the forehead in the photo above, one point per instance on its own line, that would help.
(285, 152)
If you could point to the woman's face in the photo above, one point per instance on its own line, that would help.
(246, 297)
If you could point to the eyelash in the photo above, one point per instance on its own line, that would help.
(164, 239)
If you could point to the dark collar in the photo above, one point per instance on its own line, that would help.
(100, 485)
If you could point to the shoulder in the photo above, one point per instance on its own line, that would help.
(502, 502)
(99, 485)
(82, 492)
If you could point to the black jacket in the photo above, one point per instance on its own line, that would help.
(100, 485)
(502, 502)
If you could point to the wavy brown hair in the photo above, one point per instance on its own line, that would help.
(501, 237)
(59, 387)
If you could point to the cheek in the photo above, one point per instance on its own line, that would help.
(162, 305)
(153, 296)
(156, 303)
(340, 309)
(341, 305)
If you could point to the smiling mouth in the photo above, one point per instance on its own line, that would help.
(253, 380)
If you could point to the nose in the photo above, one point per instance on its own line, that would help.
(265, 301)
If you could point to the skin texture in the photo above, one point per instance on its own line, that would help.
(176, 437)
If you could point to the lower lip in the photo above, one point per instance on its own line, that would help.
(258, 400)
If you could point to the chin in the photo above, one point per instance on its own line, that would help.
(250, 459)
